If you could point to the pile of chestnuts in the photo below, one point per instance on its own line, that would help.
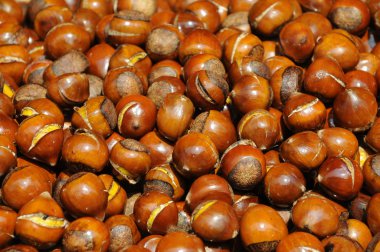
(189, 125)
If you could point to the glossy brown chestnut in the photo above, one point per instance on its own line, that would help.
(6, 105)
(315, 215)
(7, 225)
(339, 142)
(215, 220)
(41, 222)
(8, 127)
(299, 241)
(65, 37)
(357, 231)
(261, 228)
(207, 62)
(88, 19)
(371, 174)
(165, 179)
(98, 57)
(318, 24)
(34, 72)
(208, 90)
(276, 62)
(341, 243)
(319, 6)
(251, 92)
(116, 195)
(355, 109)
(160, 149)
(194, 155)
(150, 242)
(304, 112)
(206, 188)
(78, 193)
(207, 13)
(148, 7)
(248, 66)
(305, 150)
(177, 241)
(20, 248)
(13, 61)
(130, 160)
(85, 151)
(362, 79)
(42, 106)
(26, 178)
(7, 155)
(372, 136)
(187, 22)
(368, 62)
(174, 116)
(223, 34)
(123, 232)
(165, 68)
(136, 115)
(155, 213)
(86, 234)
(237, 20)
(162, 86)
(284, 183)
(13, 34)
(243, 165)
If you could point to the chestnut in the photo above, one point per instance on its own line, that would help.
(14, 59)
(130, 160)
(304, 150)
(237, 20)
(363, 79)
(155, 213)
(194, 155)
(41, 222)
(339, 142)
(42, 106)
(206, 188)
(123, 232)
(304, 112)
(207, 13)
(207, 90)
(357, 231)
(284, 183)
(148, 7)
(358, 205)
(368, 62)
(6, 105)
(166, 180)
(34, 72)
(207, 62)
(85, 151)
(98, 57)
(116, 195)
(24, 183)
(98, 114)
(160, 149)
(136, 115)
(8, 155)
(261, 127)
(355, 109)
(248, 66)
(174, 116)
(318, 23)
(86, 234)
(20, 248)
(262, 228)
(165, 68)
(86, 18)
(372, 213)
(8, 127)
(177, 241)
(371, 138)
(162, 86)
(341, 243)
(215, 220)
(217, 126)
(7, 225)
(78, 193)
(187, 22)
(243, 202)
(150, 242)
(243, 165)
(49, 17)
(300, 241)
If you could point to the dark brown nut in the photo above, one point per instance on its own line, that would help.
(78, 193)
(357, 231)
(7, 225)
(8, 127)
(187, 22)
(355, 109)
(41, 222)
(315, 215)
(168, 48)
(40, 137)
(116, 195)
(324, 78)
(159, 148)
(340, 177)
(237, 20)
(13, 34)
(34, 72)
(8, 156)
(318, 24)
(262, 228)
(165, 68)
(155, 213)
(284, 184)
(304, 112)
(261, 127)
(368, 62)
(66, 37)
(240, 45)
(194, 155)
(177, 241)
(319, 6)
(96, 86)
(86, 234)
(217, 126)
(300, 240)
(130, 160)
(243, 165)
(248, 66)
(339, 142)
(206, 62)
(304, 150)
(136, 116)
(131, 56)
(363, 79)
(6, 105)
(128, 27)
(98, 114)
(27, 178)
(49, 17)
(164, 179)
(371, 174)
(251, 92)
(162, 86)
(36, 51)
(123, 232)
(371, 139)
(215, 220)
(207, 90)
(85, 151)
(98, 57)
(42, 106)
(174, 116)
(341, 243)
(208, 187)
(28, 93)
(124, 81)
(69, 89)
(150, 242)
(243, 202)
(20, 248)
(13, 61)
(72, 62)
(88, 19)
